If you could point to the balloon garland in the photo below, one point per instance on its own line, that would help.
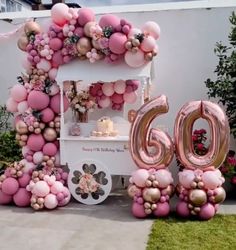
(200, 183)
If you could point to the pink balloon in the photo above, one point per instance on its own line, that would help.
(54, 89)
(133, 83)
(138, 210)
(79, 31)
(50, 201)
(94, 88)
(55, 44)
(182, 209)
(5, 198)
(117, 98)
(117, 43)
(162, 210)
(86, 15)
(133, 32)
(67, 198)
(105, 102)
(186, 177)
(38, 157)
(57, 187)
(130, 97)
(57, 59)
(57, 161)
(44, 64)
(35, 142)
(164, 178)
(47, 115)
(18, 93)
(55, 103)
(211, 180)
(120, 87)
(41, 189)
(24, 180)
(11, 105)
(108, 89)
(109, 20)
(135, 60)
(59, 13)
(151, 28)
(38, 100)
(22, 106)
(25, 150)
(139, 177)
(148, 44)
(29, 166)
(52, 73)
(10, 186)
(49, 149)
(22, 198)
(207, 211)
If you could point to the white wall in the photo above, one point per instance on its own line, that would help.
(185, 61)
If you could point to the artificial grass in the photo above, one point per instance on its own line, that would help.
(182, 234)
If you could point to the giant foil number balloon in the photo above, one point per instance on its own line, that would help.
(219, 127)
(142, 137)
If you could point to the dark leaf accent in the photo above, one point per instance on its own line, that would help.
(84, 196)
(85, 168)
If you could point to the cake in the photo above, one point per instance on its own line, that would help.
(104, 125)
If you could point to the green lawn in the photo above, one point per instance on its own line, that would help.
(182, 234)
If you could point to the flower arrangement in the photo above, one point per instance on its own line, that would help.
(228, 169)
(199, 141)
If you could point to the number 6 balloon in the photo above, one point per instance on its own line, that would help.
(142, 137)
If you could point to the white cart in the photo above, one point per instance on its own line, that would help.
(101, 157)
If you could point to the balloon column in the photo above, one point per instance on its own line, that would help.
(200, 183)
(152, 150)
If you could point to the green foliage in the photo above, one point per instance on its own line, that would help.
(224, 87)
(184, 234)
(4, 119)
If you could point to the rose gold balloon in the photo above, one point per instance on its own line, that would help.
(220, 132)
(22, 42)
(142, 137)
(132, 190)
(131, 115)
(83, 45)
(198, 197)
(50, 134)
(33, 27)
(21, 127)
(87, 28)
(220, 195)
(151, 195)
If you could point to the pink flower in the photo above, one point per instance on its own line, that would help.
(103, 43)
(231, 161)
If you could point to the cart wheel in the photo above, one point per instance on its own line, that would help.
(89, 182)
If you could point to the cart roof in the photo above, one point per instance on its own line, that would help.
(100, 71)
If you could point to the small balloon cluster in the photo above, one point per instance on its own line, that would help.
(48, 190)
(114, 94)
(151, 190)
(200, 192)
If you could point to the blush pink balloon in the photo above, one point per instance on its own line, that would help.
(85, 15)
(135, 60)
(148, 44)
(57, 59)
(35, 142)
(57, 187)
(29, 166)
(22, 197)
(120, 87)
(130, 97)
(162, 210)
(186, 177)
(55, 44)
(55, 103)
(117, 98)
(10, 186)
(38, 100)
(109, 20)
(38, 157)
(182, 209)
(138, 210)
(108, 89)
(67, 198)
(47, 115)
(5, 198)
(50, 149)
(41, 189)
(24, 180)
(207, 211)
(22, 107)
(52, 73)
(59, 13)
(105, 102)
(211, 180)
(133, 32)
(11, 105)
(139, 177)
(50, 201)
(151, 28)
(117, 43)
(18, 93)
(44, 64)
(79, 31)
(164, 178)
